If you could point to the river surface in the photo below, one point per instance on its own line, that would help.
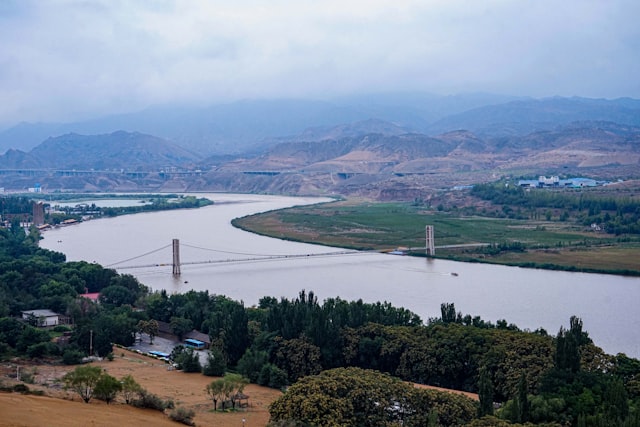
(607, 304)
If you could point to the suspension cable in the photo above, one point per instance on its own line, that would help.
(222, 252)
(139, 256)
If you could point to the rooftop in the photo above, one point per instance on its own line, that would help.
(40, 313)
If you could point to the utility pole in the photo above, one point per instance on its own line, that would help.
(90, 342)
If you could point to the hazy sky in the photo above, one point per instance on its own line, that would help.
(71, 59)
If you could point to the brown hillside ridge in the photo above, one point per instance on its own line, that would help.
(18, 410)
(60, 408)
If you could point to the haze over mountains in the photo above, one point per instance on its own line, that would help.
(297, 146)
(232, 128)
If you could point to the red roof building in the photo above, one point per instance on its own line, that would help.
(91, 296)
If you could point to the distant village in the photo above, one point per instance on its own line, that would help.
(556, 182)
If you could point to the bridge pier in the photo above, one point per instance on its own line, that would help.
(176, 257)
(430, 241)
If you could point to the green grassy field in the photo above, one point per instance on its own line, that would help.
(386, 226)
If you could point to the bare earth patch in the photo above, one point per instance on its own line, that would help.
(19, 410)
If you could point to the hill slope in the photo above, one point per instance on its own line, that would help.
(118, 150)
(578, 144)
(371, 158)
(525, 116)
(186, 390)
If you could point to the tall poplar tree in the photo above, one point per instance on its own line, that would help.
(522, 400)
(485, 393)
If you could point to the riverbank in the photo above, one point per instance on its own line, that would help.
(529, 298)
(385, 226)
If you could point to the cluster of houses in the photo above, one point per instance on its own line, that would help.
(554, 181)
(44, 318)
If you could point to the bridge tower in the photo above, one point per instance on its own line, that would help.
(430, 241)
(38, 213)
(176, 257)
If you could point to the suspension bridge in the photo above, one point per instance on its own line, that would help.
(242, 257)
(238, 257)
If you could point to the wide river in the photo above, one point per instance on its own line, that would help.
(608, 305)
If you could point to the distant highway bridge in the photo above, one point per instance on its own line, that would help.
(90, 172)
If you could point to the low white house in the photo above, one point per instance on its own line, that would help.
(43, 317)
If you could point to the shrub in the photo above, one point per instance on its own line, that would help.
(72, 356)
(129, 388)
(83, 380)
(187, 359)
(5, 350)
(107, 388)
(149, 401)
(31, 336)
(251, 364)
(216, 366)
(183, 415)
(42, 349)
(21, 388)
(28, 377)
(272, 376)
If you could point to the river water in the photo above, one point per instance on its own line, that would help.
(608, 305)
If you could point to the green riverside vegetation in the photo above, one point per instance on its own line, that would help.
(152, 203)
(553, 229)
(347, 363)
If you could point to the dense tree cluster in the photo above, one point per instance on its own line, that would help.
(355, 397)
(616, 215)
(307, 345)
(299, 337)
(224, 320)
(34, 278)
(159, 204)
(16, 205)
(156, 203)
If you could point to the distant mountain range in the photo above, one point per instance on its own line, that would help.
(525, 116)
(575, 145)
(241, 126)
(347, 147)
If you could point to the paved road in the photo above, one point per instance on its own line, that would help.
(159, 344)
